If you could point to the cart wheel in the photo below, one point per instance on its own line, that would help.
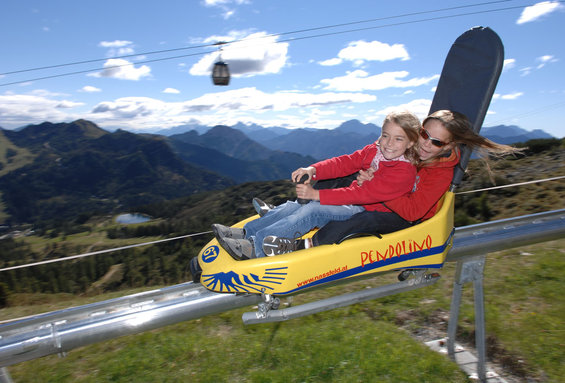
(405, 274)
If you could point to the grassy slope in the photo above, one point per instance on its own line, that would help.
(361, 343)
(364, 342)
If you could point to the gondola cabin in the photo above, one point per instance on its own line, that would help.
(221, 73)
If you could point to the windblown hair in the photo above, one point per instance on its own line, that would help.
(410, 124)
(462, 133)
(460, 129)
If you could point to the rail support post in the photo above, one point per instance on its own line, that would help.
(470, 269)
(5, 376)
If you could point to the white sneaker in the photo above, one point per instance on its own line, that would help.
(261, 207)
(273, 245)
(221, 231)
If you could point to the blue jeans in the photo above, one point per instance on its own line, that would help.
(292, 220)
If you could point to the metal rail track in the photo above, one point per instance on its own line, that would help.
(60, 331)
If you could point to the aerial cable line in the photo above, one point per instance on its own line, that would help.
(388, 18)
(102, 69)
(239, 40)
(235, 41)
(208, 232)
(102, 251)
(511, 185)
(532, 112)
(400, 23)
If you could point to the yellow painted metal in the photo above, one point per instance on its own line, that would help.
(421, 246)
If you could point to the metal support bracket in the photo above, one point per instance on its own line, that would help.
(268, 303)
(5, 376)
(469, 269)
(265, 314)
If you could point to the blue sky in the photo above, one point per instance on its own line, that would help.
(294, 63)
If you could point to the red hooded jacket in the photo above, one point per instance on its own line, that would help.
(432, 181)
(392, 179)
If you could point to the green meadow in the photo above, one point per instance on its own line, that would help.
(376, 341)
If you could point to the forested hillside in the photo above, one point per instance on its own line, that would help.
(167, 263)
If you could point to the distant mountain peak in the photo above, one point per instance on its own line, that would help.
(356, 126)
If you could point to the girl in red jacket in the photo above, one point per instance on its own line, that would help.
(390, 160)
(438, 154)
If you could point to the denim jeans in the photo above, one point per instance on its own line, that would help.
(292, 220)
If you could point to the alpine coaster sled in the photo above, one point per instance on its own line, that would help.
(468, 79)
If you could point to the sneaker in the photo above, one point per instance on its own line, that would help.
(221, 231)
(239, 249)
(273, 245)
(261, 207)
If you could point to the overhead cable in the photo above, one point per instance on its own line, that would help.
(239, 40)
(208, 232)
(257, 38)
(102, 251)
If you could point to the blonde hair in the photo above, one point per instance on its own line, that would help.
(410, 124)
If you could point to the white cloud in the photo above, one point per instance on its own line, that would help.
(543, 60)
(510, 96)
(123, 70)
(114, 44)
(23, 109)
(525, 71)
(89, 89)
(144, 113)
(420, 107)
(65, 104)
(249, 99)
(225, 6)
(171, 91)
(360, 80)
(331, 62)
(508, 64)
(256, 53)
(228, 107)
(117, 47)
(546, 58)
(534, 12)
(216, 3)
(361, 51)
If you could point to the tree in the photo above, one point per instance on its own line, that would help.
(4, 294)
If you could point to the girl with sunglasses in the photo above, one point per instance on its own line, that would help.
(438, 153)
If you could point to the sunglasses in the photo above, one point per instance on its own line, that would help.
(426, 136)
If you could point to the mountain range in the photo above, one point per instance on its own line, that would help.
(346, 138)
(62, 171)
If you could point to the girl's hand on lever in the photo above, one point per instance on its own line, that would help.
(305, 191)
(298, 173)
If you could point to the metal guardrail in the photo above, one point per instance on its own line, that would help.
(61, 331)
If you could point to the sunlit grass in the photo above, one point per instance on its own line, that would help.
(354, 348)
(367, 342)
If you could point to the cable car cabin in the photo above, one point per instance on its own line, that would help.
(424, 245)
(221, 73)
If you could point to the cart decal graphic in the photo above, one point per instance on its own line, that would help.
(244, 283)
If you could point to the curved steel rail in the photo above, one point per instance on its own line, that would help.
(61, 331)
